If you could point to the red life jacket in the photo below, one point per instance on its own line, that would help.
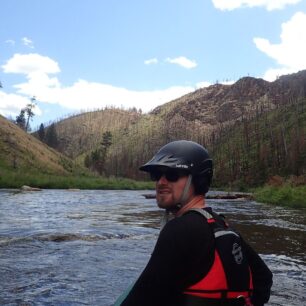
(230, 275)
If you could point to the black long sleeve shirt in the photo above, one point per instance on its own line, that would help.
(183, 255)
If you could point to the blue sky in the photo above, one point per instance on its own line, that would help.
(75, 55)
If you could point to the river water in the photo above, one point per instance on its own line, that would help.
(60, 247)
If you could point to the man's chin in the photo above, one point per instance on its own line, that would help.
(164, 203)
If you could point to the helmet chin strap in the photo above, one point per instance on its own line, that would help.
(183, 200)
(185, 192)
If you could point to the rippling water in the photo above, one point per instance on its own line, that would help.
(60, 247)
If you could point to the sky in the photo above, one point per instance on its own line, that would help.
(83, 55)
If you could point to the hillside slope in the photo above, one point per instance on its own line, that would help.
(212, 116)
(272, 144)
(219, 104)
(81, 133)
(22, 151)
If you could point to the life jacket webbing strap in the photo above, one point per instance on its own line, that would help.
(203, 212)
(209, 217)
(218, 290)
(222, 233)
(217, 294)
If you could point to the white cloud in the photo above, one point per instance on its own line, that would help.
(207, 84)
(203, 84)
(227, 82)
(182, 61)
(82, 95)
(11, 104)
(30, 63)
(10, 42)
(290, 52)
(272, 74)
(40, 85)
(96, 95)
(27, 42)
(151, 61)
(268, 4)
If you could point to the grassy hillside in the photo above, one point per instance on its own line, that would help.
(24, 160)
(20, 151)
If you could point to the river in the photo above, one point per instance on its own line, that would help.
(60, 247)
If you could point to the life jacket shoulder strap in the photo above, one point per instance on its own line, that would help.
(203, 212)
(220, 227)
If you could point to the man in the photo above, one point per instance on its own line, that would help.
(198, 259)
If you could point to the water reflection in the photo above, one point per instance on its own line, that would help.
(149, 218)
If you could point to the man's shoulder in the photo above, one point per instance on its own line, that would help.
(187, 230)
(190, 221)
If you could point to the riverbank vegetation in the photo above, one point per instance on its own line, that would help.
(17, 179)
(284, 196)
(278, 191)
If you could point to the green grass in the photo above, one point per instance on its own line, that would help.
(16, 179)
(284, 195)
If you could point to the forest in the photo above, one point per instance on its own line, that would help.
(246, 152)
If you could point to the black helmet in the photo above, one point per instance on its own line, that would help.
(184, 155)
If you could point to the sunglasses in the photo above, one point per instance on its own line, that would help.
(170, 175)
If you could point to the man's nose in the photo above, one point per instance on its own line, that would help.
(162, 180)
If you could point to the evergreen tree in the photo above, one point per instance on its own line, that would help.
(106, 140)
(87, 161)
(96, 160)
(21, 120)
(105, 144)
(26, 114)
(41, 132)
(51, 136)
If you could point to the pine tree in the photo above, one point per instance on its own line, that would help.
(87, 161)
(51, 136)
(106, 140)
(41, 132)
(96, 160)
(105, 144)
(21, 120)
(26, 114)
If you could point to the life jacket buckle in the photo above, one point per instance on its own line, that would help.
(246, 300)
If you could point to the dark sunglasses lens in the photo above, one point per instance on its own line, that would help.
(171, 176)
(156, 175)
